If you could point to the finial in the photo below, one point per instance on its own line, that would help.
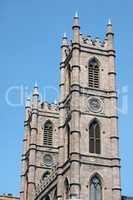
(55, 102)
(64, 40)
(76, 29)
(109, 27)
(109, 36)
(109, 22)
(65, 35)
(35, 90)
(36, 85)
(76, 14)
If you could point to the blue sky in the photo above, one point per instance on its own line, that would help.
(30, 36)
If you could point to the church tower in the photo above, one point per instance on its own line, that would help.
(40, 150)
(72, 151)
(89, 163)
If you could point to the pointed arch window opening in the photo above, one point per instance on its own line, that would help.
(94, 138)
(95, 188)
(48, 133)
(93, 73)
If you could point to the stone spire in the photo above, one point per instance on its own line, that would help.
(33, 142)
(109, 22)
(64, 40)
(76, 14)
(109, 27)
(110, 35)
(76, 29)
(35, 95)
(35, 90)
(64, 48)
(75, 117)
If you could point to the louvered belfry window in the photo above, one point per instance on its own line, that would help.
(94, 138)
(93, 73)
(48, 133)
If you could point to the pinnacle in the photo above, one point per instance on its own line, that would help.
(109, 22)
(76, 14)
(35, 90)
(55, 102)
(36, 85)
(65, 35)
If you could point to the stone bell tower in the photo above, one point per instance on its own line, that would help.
(72, 151)
(40, 144)
(89, 163)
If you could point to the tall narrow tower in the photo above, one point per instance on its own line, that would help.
(73, 152)
(89, 163)
(40, 144)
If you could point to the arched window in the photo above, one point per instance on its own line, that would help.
(48, 133)
(95, 188)
(94, 138)
(93, 73)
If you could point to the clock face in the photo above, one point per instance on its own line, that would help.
(48, 160)
(95, 104)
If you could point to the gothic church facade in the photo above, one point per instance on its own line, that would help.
(71, 150)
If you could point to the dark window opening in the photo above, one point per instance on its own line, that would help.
(93, 73)
(94, 138)
(48, 133)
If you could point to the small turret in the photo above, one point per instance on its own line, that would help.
(64, 47)
(35, 95)
(110, 36)
(76, 29)
(35, 91)
(27, 108)
(64, 41)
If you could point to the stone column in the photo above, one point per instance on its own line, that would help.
(33, 142)
(116, 186)
(75, 114)
(64, 47)
(25, 149)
